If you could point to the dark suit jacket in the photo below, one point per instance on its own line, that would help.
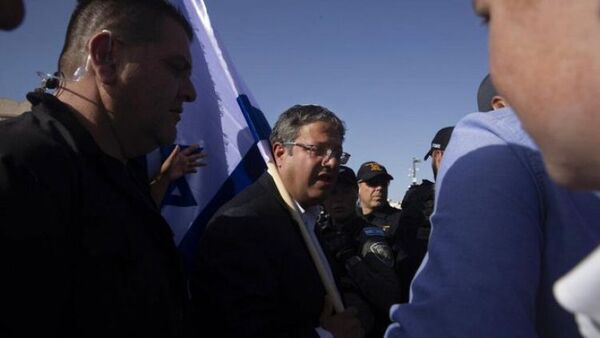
(255, 277)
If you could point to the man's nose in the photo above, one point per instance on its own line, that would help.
(330, 161)
(188, 92)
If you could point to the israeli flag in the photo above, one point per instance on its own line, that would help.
(226, 123)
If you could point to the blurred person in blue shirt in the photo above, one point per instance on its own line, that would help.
(502, 234)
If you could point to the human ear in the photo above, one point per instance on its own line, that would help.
(102, 56)
(498, 102)
(437, 156)
(278, 153)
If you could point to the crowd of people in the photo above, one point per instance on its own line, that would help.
(312, 248)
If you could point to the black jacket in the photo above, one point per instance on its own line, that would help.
(83, 249)
(385, 217)
(414, 226)
(255, 277)
(363, 261)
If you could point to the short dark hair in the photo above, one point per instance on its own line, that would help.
(485, 94)
(133, 21)
(290, 121)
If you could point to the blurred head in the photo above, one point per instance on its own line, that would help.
(436, 161)
(438, 146)
(341, 203)
(545, 59)
(307, 146)
(134, 57)
(373, 183)
(11, 14)
(487, 96)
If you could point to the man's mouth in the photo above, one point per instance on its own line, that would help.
(325, 179)
(177, 112)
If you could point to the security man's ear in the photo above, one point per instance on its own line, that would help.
(102, 56)
(437, 153)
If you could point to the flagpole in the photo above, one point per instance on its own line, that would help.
(328, 282)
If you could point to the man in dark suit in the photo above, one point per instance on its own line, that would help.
(255, 277)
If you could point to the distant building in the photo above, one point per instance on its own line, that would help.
(10, 108)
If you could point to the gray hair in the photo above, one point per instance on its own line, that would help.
(290, 121)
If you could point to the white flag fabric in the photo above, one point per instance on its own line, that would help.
(224, 121)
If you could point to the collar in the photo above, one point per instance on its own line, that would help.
(77, 136)
(309, 215)
(384, 209)
(380, 213)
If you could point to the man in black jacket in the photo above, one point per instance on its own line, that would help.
(360, 255)
(417, 206)
(84, 250)
(373, 182)
(255, 277)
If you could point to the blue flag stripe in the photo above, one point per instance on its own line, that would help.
(255, 118)
(247, 171)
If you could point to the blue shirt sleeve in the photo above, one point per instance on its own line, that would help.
(483, 266)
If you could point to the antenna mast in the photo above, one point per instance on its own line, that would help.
(413, 171)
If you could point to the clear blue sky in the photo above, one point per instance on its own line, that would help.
(394, 70)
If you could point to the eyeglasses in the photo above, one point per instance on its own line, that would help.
(324, 152)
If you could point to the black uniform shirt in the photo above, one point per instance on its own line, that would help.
(386, 217)
(83, 248)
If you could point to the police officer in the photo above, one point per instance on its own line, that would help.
(359, 255)
(373, 183)
(417, 207)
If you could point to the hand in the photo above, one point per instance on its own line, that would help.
(181, 162)
(341, 325)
